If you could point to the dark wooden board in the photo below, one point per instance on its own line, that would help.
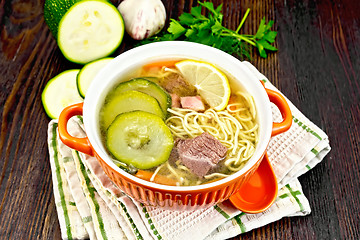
(317, 67)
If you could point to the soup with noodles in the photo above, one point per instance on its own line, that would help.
(159, 127)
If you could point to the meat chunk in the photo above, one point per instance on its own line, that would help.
(193, 102)
(175, 100)
(174, 83)
(201, 153)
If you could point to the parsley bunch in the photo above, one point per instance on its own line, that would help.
(208, 30)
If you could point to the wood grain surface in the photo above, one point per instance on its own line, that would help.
(317, 67)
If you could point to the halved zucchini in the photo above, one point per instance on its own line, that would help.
(89, 30)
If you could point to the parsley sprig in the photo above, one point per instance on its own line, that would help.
(208, 30)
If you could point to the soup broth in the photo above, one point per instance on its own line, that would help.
(234, 129)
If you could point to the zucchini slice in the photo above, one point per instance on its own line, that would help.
(60, 92)
(146, 86)
(140, 139)
(89, 30)
(127, 102)
(88, 73)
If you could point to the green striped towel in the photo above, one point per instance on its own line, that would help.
(74, 182)
(70, 221)
(292, 154)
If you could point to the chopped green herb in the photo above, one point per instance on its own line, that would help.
(208, 30)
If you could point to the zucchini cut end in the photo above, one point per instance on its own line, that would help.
(90, 29)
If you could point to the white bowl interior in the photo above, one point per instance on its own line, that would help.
(128, 61)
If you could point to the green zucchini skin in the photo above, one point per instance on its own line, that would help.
(54, 10)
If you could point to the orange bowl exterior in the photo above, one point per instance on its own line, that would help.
(178, 199)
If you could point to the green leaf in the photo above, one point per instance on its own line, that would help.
(217, 27)
(167, 37)
(269, 25)
(218, 9)
(196, 12)
(219, 17)
(216, 15)
(205, 25)
(270, 36)
(190, 32)
(260, 32)
(176, 29)
(187, 19)
(261, 50)
(204, 36)
(209, 6)
(192, 35)
(267, 45)
(217, 41)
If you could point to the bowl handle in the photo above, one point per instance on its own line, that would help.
(281, 103)
(259, 192)
(80, 144)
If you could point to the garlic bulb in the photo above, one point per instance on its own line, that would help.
(143, 18)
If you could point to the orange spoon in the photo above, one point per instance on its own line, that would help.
(260, 192)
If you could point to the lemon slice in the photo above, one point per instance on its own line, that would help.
(211, 83)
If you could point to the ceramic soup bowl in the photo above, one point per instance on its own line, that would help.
(251, 189)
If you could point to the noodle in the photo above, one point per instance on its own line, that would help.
(215, 175)
(156, 172)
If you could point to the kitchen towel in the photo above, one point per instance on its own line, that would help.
(89, 205)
